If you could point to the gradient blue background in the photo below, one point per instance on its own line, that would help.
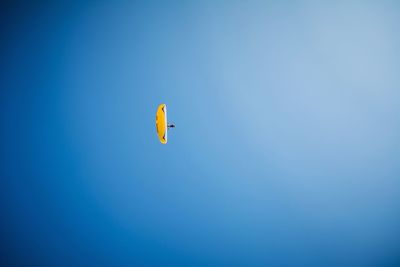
(286, 151)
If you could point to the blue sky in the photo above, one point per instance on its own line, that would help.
(286, 150)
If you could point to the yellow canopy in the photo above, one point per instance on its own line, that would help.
(161, 123)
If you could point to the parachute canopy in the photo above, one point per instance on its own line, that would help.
(161, 123)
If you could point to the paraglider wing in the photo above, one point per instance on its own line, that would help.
(161, 123)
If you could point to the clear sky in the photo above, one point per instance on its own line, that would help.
(286, 150)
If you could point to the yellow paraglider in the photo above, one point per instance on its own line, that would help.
(162, 123)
